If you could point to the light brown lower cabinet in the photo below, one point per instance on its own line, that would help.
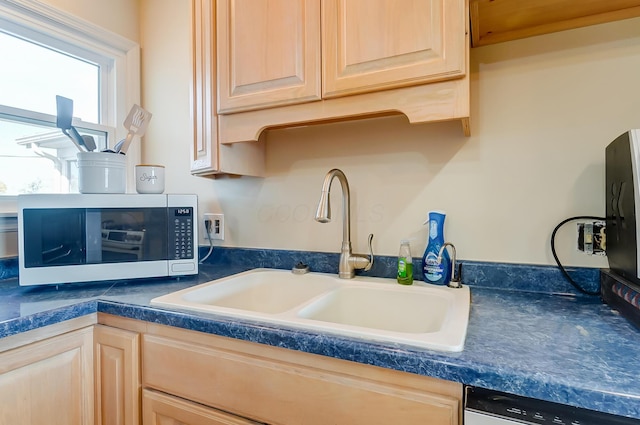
(117, 376)
(280, 386)
(50, 376)
(162, 409)
(49, 381)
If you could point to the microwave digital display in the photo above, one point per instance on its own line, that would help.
(184, 212)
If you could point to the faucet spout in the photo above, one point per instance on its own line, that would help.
(323, 214)
(455, 280)
(348, 261)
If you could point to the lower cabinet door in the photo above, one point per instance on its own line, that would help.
(117, 376)
(48, 382)
(162, 409)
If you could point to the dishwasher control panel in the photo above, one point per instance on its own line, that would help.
(488, 407)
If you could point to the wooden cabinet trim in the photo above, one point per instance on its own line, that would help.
(124, 323)
(443, 101)
(204, 153)
(499, 21)
(35, 335)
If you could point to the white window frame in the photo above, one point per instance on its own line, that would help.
(22, 115)
(120, 78)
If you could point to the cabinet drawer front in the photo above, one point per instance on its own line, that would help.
(161, 409)
(283, 392)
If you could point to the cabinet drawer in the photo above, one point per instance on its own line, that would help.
(280, 386)
(161, 409)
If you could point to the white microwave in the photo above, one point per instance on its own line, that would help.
(65, 238)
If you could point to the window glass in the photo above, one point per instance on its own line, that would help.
(32, 75)
(35, 156)
(38, 158)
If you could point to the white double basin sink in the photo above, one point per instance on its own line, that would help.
(375, 309)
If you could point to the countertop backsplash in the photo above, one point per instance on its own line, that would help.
(519, 277)
(516, 277)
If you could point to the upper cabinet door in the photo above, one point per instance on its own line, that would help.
(372, 45)
(268, 53)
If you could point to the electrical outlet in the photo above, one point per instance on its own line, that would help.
(592, 237)
(216, 231)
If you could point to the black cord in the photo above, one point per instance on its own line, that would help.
(207, 228)
(555, 256)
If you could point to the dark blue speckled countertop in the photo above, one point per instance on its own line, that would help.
(521, 338)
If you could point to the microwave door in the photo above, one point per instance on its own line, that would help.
(134, 235)
(53, 237)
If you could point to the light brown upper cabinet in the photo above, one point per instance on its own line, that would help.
(268, 53)
(370, 45)
(296, 62)
(208, 157)
(495, 21)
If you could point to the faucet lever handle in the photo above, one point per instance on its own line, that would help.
(368, 267)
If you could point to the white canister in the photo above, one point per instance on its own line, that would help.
(102, 172)
(149, 178)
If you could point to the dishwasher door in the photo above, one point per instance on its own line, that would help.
(488, 407)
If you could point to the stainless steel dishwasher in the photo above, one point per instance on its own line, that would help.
(487, 407)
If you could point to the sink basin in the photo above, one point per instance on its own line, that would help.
(264, 291)
(386, 309)
(376, 309)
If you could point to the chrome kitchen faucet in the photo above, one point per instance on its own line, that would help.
(455, 281)
(348, 262)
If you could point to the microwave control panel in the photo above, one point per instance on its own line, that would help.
(181, 227)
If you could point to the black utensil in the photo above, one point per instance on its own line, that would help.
(64, 116)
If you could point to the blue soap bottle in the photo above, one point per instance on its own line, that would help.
(432, 271)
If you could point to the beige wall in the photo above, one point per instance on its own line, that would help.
(543, 110)
(119, 16)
